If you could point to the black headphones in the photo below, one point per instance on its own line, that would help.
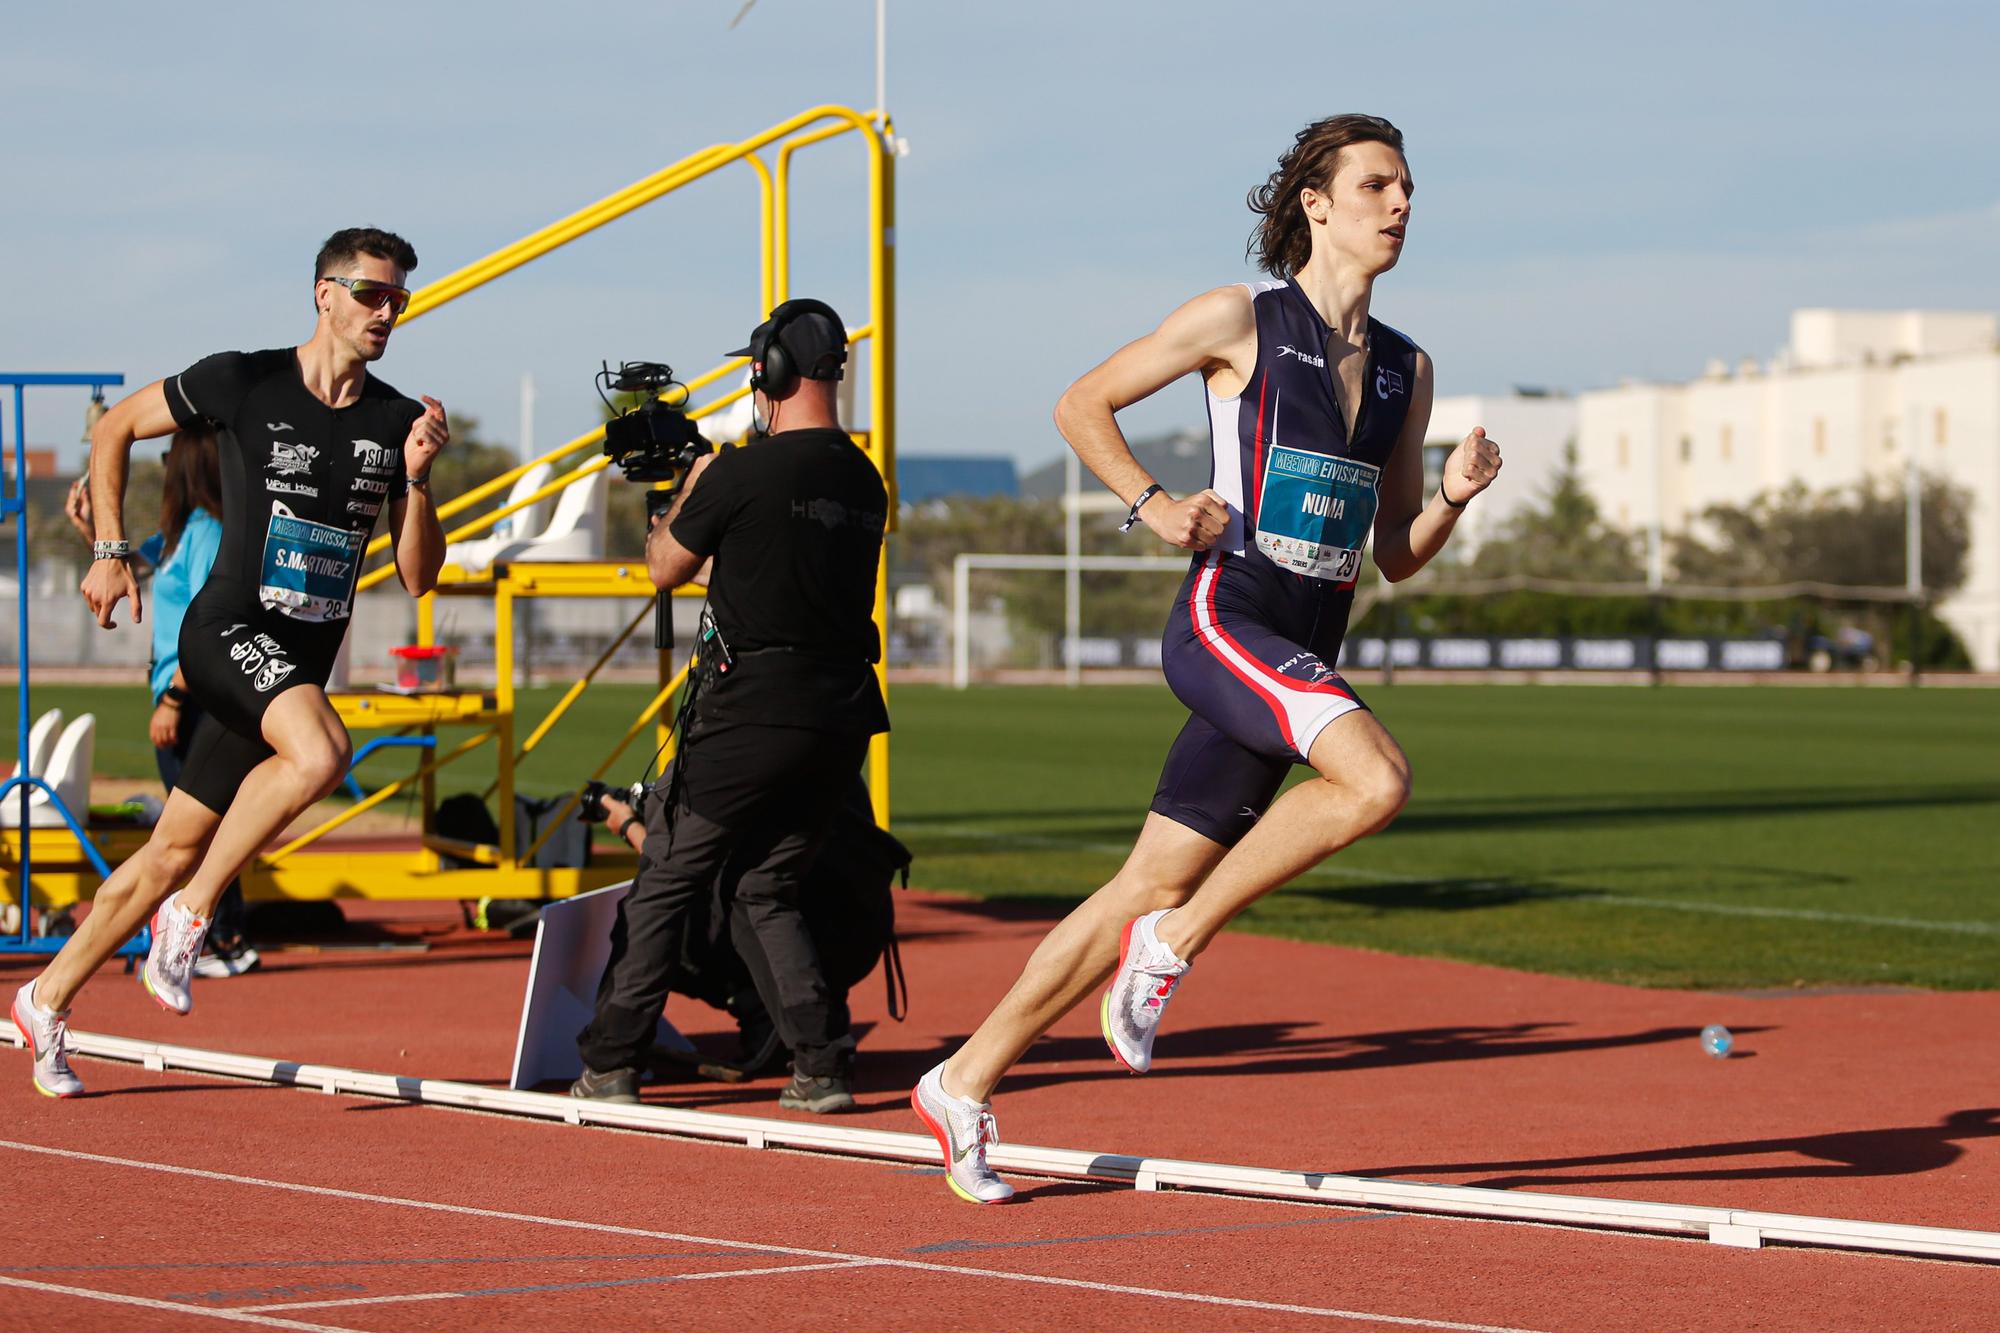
(771, 366)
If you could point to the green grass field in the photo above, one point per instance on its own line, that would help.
(1709, 837)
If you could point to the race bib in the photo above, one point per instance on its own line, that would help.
(309, 568)
(1315, 511)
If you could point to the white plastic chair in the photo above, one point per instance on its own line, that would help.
(575, 533)
(68, 771)
(41, 736)
(521, 525)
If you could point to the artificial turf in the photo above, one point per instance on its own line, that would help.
(1727, 837)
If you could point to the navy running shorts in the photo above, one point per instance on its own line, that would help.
(1259, 700)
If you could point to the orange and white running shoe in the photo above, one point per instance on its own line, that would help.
(1147, 973)
(962, 1128)
(47, 1034)
(169, 970)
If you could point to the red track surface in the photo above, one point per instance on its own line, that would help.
(1870, 1106)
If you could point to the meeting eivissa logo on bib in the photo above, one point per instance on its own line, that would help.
(309, 568)
(1314, 512)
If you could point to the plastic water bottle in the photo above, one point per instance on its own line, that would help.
(1717, 1040)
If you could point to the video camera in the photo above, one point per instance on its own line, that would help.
(654, 441)
(591, 808)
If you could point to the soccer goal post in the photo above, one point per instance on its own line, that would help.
(1072, 566)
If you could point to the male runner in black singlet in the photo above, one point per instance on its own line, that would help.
(1317, 414)
(313, 449)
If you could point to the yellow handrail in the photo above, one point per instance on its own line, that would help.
(617, 205)
(575, 798)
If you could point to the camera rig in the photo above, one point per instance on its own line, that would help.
(653, 441)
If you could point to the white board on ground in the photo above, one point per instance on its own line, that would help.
(572, 945)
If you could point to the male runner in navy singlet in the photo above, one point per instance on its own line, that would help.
(313, 449)
(1317, 413)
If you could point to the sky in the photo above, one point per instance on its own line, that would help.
(1603, 192)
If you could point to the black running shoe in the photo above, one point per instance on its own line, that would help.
(818, 1093)
(613, 1085)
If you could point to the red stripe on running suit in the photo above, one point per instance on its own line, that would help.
(1256, 496)
(1204, 596)
(1277, 678)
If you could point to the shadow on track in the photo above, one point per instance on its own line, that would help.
(1900, 1151)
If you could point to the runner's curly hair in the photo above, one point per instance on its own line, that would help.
(1281, 241)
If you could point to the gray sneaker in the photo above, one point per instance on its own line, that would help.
(821, 1094)
(47, 1034)
(1147, 973)
(962, 1128)
(618, 1086)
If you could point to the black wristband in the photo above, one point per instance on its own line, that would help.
(625, 827)
(1445, 496)
(1139, 504)
(174, 695)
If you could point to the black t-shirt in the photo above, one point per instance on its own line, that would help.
(794, 523)
(302, 483)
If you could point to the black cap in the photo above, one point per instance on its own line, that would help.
(812, 336)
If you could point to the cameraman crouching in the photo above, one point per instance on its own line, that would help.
(793, 522)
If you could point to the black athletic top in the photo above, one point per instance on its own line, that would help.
(795, 525)
(1302, 495)
(302, 483)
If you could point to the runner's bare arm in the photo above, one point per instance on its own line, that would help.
(1410, 527)
(1216, 334)
(419, 544)
(143, 415)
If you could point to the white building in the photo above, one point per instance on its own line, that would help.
(1843, 403)
(1532, 429)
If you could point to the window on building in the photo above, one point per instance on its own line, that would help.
(1819, 435)
(1728, 445)
(1940, 428)
(1889, 435)
(1624, 451)
(1687, 448)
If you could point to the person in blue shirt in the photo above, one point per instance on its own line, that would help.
(181, 554)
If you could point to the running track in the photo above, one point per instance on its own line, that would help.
(185, 1200)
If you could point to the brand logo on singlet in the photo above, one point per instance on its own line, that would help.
(1286, 349)
(262, 659)
(368, 507)
(374, 457)
(1387, 382)
(275, 426)
(289, 460)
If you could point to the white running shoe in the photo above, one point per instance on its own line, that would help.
(962, 1128)
(47, 1035)
(219, 964)
(177, 937)
(1147, 973)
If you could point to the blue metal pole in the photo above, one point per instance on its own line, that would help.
(18, 507)
(15, 506)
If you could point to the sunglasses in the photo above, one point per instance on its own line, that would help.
(376, 294)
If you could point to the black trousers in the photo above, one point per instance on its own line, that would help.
(759, 802)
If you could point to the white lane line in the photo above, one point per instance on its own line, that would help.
(556, 1287)
(1581, 895)
(176, 1307)
(611, 1229)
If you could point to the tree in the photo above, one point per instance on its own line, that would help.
(1562, 535)
(1855, 535)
